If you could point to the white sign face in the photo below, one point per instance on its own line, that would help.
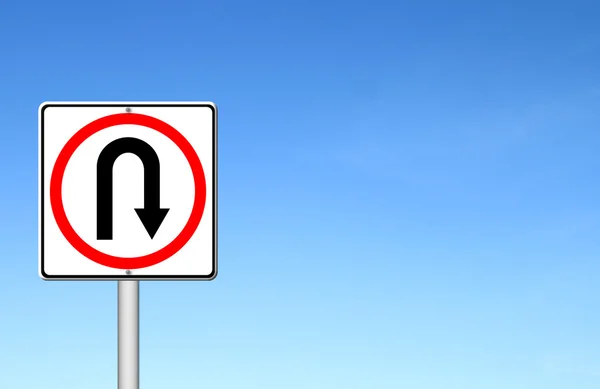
(128, 191)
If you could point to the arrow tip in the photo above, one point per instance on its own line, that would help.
(152, 218)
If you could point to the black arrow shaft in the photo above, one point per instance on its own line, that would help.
(104, 180)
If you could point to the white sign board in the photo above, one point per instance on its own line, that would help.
(128, 191)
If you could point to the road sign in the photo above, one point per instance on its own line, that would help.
(128, 191)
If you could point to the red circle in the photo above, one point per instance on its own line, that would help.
(58, 207)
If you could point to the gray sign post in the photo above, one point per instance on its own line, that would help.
(129, 335)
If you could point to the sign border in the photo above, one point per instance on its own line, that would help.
(41, 196)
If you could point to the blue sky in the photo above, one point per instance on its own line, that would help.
(408, 193)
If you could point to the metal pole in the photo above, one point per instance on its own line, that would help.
(129, 335)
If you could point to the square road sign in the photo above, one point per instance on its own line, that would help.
(128, 191)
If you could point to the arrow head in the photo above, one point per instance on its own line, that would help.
(152, 218)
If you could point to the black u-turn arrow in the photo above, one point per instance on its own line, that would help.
(152, 215)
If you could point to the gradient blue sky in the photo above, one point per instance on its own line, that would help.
(408, 193)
